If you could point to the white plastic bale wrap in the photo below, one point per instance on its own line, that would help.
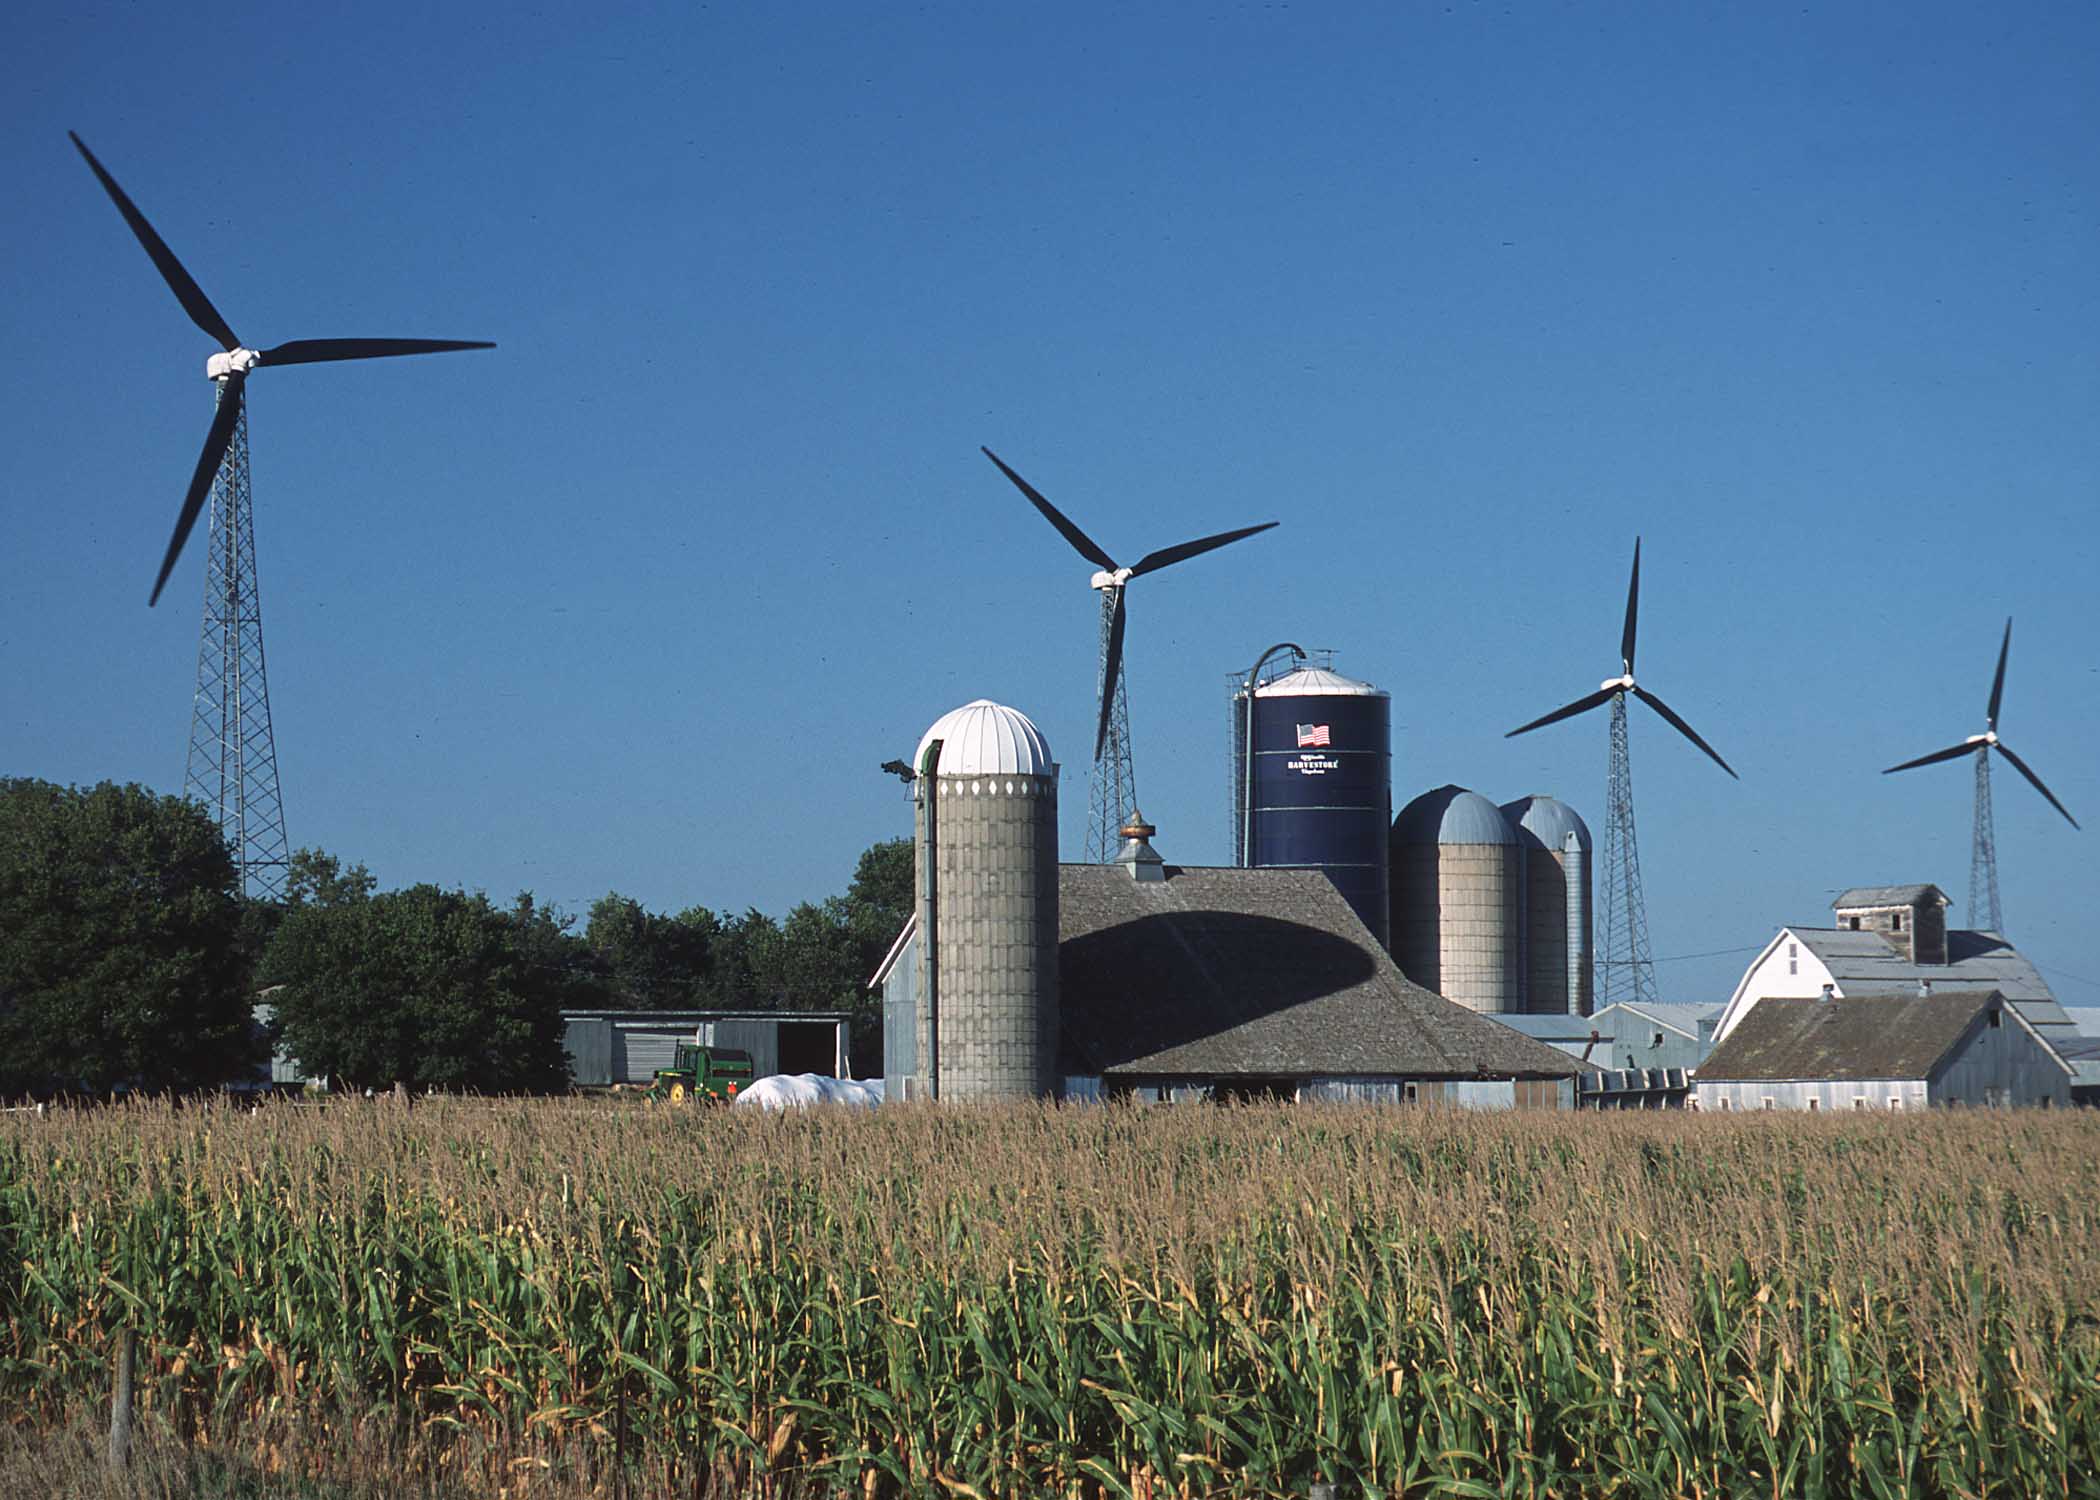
(807, 1091)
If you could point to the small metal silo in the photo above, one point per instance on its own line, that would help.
(1316, 789)
(985, 818)
(1557, 949)
(1457, 899)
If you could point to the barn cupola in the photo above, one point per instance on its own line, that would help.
(1912, 919)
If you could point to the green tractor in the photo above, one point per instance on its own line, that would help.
(714, 1074)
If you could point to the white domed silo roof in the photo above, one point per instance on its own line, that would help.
(986, 739)
(1452, 815)
(1549, 820)
(1317, 682)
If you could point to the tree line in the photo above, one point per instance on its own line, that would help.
(129, 959)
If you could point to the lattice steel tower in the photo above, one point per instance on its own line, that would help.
(1625, 963)
(1112, 789)
(233, 751)
(1984, 911)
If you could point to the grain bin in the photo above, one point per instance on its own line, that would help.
(1318, 784)
(1457, 899)
(985, 823)
(1557, 946)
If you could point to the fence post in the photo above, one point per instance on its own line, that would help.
(120, 1400)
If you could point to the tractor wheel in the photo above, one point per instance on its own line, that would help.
(678, 1095)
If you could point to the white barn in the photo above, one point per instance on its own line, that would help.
(1887, 941)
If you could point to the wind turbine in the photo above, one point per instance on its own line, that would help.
(233, 754)
(1624, 956)
(1984, 910)
(1113, 795)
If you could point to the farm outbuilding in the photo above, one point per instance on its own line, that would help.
(626, 1047)
(1886, 942)
(1934, 1048)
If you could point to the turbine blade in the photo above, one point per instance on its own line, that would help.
(1152, 562)
(2022, 767)
(1081, 542)
(186, 290)
(1998, 683)
(1950, 753)
(215, 442)
(318, 351)
(1111, 673)
(1579, 706)
(1633, 610)
(1683, 728)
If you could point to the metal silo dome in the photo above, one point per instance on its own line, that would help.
(984, 738)
(1557, 887)
(1548, 820)
(1458, 899)
(1316, 682)
(1452, 815)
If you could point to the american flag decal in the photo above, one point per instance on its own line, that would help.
(1313, 737)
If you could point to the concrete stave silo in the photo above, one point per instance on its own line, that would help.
(985, 824)
(1557, 944)
(1318, 784)
(1458, 899)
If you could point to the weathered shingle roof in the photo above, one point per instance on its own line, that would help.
(1867, 964)
(1893, 1037)
(1888, 895)
(1225, 973)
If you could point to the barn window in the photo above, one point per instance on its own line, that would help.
(1768, 1101)
(1853, 923)
(1895, 921)
(1859, 1104)
(1997, 1016)
(1814, 1105)
(1895, 1101)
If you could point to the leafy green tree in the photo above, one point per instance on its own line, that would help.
(651, 961)
(428, 987)
(120, 958)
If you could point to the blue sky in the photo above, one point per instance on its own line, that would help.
(1465, 296)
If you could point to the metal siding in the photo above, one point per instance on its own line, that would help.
(639, 1049)
(900, 1020)
(1326, 809)
(2001, 1065)
(588, 1041)
(759, 1037)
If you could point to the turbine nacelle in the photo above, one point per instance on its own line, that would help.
(1114, 580)
(232, 362)
(1622, 684)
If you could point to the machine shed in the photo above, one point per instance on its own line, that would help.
(626, 1047)
(1939, 1047)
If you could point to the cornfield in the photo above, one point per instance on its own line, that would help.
(1086, 1302)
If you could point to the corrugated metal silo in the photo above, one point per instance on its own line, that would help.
(1457, 899)
(1557, 947)
(985, 810)
(1318, 792)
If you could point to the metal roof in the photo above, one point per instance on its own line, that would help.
(1889, 895)
(1316, 682)
(1452, 815)
(1548, 820)
(1224, 973)
(1679, 1016)
(1898, 1037)
(986, 739)
(1866, 963)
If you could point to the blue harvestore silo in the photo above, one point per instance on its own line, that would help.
(1318, 785)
